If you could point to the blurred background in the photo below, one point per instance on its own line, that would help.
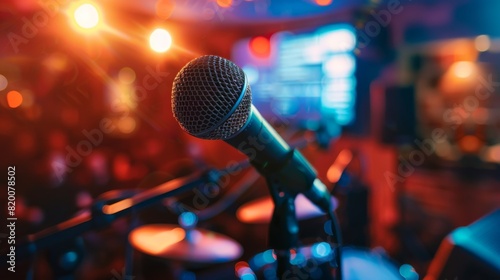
(402, 97)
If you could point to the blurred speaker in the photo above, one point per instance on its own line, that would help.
(471, 252)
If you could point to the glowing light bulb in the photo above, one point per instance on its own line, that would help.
(160, 40)
(86, 16)
(463, 69)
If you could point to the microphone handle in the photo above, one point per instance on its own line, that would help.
(272, 156)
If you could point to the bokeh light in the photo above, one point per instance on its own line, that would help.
(321, 250)
(337, 40)
(14, 99)
(339, 65)
(164, 8)
(126, 75)
(244, 271)
(493, 154)
(28, 98)
(482, 43)
(3, 82)
(127, 125)
(86, 16)
(188, 219)
(462, 69)
(337, 168)
(408, 272)
(224, 3)
(260, 46)
(470, 144)
(56, 62)
(160, 40)
(252, 74)
(323, 2)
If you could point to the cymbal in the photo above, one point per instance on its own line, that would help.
(174, 243)
(260, 210)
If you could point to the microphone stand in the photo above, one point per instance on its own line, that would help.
(284, 228)
(284, 185)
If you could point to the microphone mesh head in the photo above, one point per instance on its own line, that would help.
(206, 98)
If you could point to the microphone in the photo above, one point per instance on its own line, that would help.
(211, 99)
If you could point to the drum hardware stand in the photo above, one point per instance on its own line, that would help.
(103, 212)
(65, 260)
(129, 250)
(187, 221)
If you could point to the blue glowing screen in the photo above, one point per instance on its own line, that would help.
(305, 76)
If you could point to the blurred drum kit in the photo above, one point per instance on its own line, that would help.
(190, 245)
(185, 246)
(184, 250)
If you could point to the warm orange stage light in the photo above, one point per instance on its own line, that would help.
(14, 99)
(127, 125)
(160, 40)
(323, 2)
(462, 69)
(86, 16)
(337, 168)
(470, 144)
(225, 3)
